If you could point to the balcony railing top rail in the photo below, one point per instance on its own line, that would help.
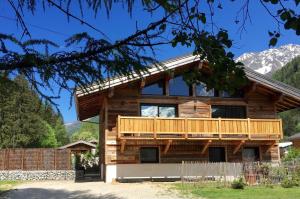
(198, 128)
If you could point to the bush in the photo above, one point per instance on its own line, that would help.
(238, 184)
(287, 183)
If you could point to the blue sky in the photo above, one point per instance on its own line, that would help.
(120, 25)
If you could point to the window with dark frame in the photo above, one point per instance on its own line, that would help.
(156, 88)
(158, 110)
(178, 87)
(250, 154)
(217, 154)
(149, 155)
(224, 111)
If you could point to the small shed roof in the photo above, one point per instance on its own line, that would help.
(77, 143)
(294, 137)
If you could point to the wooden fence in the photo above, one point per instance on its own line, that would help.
(35, 159)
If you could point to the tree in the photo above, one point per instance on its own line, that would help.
(23, 120)
(186, 23)
(290, 74)
(88, 131)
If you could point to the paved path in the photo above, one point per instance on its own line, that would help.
(90, 190)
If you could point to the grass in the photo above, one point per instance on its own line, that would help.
(7, 185)
(257, 192)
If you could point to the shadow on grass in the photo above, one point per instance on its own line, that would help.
(37, 193)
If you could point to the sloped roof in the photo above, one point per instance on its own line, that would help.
(294, 137)
(267, 83)
(76, 143)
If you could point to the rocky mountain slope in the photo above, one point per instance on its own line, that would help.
(268, 61)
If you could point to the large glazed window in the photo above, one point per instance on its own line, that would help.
(201, 91)
(156, 88)
(178, 87)
(149, 155)
(154, 110)
(217, 154)
(228, 111)
(251, 154)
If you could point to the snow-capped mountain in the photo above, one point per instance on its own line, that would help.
(268, 61)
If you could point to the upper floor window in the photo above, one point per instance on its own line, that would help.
(161, 110)
(202, 91)
(228, 111)
(156, 88)
(178, 87)
(226, 94)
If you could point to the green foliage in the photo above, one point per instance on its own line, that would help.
(25, 121)
(238, 183)
(293, 153)
(88, 131)
(287, 183)
(290, 74)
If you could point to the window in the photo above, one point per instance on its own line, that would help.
(237, 94)
(149, 155)
(217, 154)
(178, 87)
(156, 88)
(251, 154)
(201, 91)
(228, 111)
(162, 110)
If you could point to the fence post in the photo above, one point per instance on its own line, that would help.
(23, 151)
(54, 159)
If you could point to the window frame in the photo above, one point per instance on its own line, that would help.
(220, 105)
(255, 148)
(156, 82)
(157, 154)
(225, 152)
(190, 88)
(159, 105)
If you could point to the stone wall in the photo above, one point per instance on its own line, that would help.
(38, 175)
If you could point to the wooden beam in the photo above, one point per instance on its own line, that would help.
(143, 83)
(123, 142)
(111, 92)
(205, 147)
(250, 90)
(277, 98)
(238, 147)
(270, 147)
(169, 142)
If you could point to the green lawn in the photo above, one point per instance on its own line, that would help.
(7, 185)
(254, 192)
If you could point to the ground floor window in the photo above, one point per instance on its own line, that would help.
(217, 154)
(251, 154)
(149, 155)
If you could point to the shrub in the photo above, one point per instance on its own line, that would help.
(238, 184)
(287, 183)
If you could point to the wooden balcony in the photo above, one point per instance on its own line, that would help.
(198, 128)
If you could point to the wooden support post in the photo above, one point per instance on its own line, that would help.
(270, 147)
(154, 128)
(205, 147)
(219, 128)
(281, 130)
(118, 127)
(237, 148)
(169, 142)
(186, 128)
(249, 128)
(123, 142)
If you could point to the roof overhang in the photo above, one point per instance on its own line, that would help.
(89, 101)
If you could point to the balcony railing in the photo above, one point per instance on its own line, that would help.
(198, 128)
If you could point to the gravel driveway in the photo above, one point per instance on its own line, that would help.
(90, 190)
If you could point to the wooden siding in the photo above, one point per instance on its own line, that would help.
(126, 101)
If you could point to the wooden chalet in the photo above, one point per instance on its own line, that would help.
(156, 118)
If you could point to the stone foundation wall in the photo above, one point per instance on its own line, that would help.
(38, 175)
